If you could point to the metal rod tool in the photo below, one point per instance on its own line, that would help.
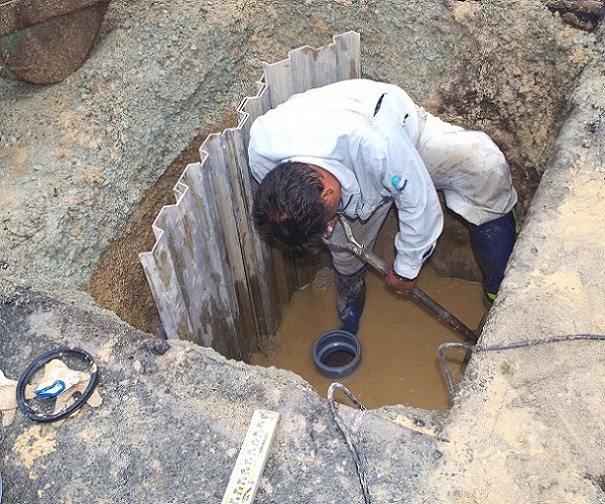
(416, 293)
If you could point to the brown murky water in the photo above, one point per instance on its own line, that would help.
(399, 340)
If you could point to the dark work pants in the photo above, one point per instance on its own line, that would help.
(351, 298)
(493, 243)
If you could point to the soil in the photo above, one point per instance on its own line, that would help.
(118, 281)
(77, 159)
(82, 155)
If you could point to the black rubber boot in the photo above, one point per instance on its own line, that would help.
(493, 243)
(351, 298)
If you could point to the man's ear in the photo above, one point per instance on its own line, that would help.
(327, 194)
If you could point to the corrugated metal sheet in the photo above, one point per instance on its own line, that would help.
(213, 280)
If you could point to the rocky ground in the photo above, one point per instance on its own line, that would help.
(174, 416)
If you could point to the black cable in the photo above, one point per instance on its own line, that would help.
(36, 365)
(363, 481)
(504, 346)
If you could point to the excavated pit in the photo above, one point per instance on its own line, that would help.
(399, 337)
(475, 104)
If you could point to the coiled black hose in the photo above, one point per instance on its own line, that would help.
(36, 365)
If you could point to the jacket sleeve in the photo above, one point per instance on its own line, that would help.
(407, 180)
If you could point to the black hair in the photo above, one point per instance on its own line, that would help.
(288, 207)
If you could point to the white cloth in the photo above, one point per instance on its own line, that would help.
(400, 154)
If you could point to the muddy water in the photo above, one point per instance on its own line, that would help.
(399, 340)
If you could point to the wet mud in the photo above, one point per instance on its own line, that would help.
(399, 340)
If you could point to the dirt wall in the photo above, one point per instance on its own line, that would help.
(79, 156)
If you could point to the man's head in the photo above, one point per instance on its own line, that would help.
(296, 203)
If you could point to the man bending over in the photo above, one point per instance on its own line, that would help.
(354, 148)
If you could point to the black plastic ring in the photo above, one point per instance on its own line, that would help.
(36, 365)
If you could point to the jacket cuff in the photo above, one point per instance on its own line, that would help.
(409, 267)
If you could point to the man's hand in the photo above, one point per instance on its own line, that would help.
(399, 284)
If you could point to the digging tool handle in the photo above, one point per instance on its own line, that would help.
(442, 314)
(416, 293)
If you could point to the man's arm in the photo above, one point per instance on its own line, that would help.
(419, 212)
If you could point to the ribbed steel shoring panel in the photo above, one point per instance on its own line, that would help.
(260, 284)
(212, 303)
(160, 296)
(275, 287)
(306, 68)
(224, 157)
(219, 319)
(252, 107)
(208, 267)
(348, 56)
(161, 270)
(227, 202)
(276, 269)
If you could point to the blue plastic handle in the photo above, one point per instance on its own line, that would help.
(47, 392)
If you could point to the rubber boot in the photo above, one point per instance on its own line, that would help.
(351, 298)
(493, 243)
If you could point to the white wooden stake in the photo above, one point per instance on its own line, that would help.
(252, 457)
